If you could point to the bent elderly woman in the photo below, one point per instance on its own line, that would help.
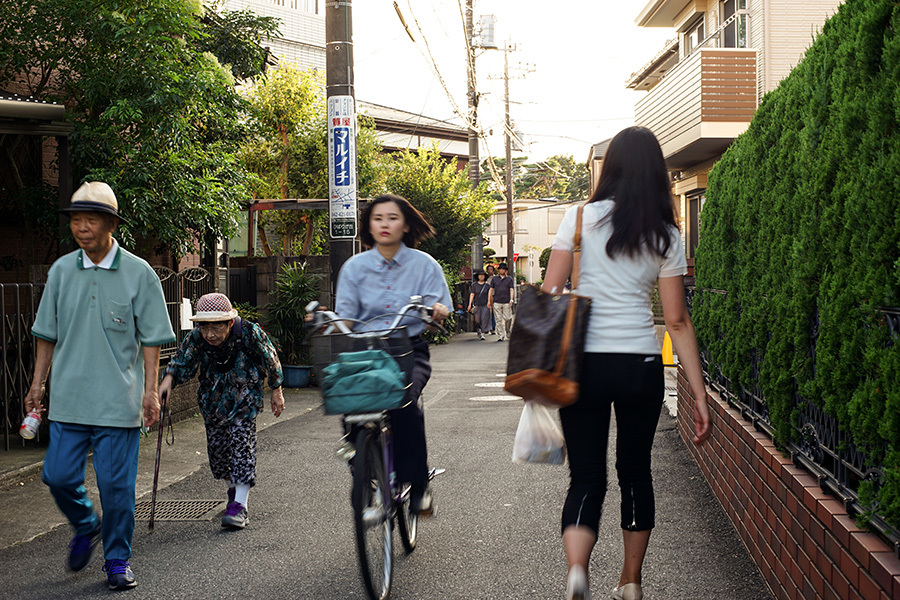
(234, 357)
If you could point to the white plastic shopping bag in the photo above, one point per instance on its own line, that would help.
(538, 438)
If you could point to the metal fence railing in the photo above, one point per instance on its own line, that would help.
(18, 307)
(190, 283)
(821, 447)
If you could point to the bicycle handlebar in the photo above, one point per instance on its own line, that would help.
(329, 319)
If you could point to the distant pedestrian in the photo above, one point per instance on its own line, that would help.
(478, 303)
(234, 358)
(491, 271)
(102, 320)
(501, 298)
(630, 242)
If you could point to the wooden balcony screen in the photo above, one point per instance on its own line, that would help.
(711, 85)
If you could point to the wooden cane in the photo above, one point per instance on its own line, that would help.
(159, 426)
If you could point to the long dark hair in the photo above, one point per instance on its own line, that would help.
(634, 176)
(419, 229)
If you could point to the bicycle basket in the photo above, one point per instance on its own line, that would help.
(363, 372)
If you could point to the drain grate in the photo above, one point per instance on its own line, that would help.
(179, 510)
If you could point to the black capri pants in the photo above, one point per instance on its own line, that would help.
(408, 423)
(634, 385)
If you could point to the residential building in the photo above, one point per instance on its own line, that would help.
(301, 36)
(703, 87)
(399, 130)
(536, 223)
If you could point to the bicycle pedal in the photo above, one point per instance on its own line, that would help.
(373, 516)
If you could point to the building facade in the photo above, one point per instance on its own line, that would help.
(535, 223)
(301, 36)
(703, 87)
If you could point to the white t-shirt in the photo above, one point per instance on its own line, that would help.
(621, 313)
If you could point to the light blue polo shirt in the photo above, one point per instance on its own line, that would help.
(369, 286)
(98, 320)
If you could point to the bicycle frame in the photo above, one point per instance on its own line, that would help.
(380, 420)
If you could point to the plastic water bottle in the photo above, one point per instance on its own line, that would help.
(30, 424)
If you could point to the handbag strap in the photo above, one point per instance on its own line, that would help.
(576, 251)
(571, 312)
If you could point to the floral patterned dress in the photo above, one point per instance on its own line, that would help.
(231, 375)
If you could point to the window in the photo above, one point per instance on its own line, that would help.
(693, 37)
(554, 218)
(735, 19)
(695, 206)
(498, 223)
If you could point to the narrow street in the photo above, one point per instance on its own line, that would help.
(494, 534)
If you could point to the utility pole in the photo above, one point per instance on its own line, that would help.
(342, 198)
(472, 95)
(510, 222)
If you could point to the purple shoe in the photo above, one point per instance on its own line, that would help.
(235, 516)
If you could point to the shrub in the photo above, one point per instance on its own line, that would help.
(801, 228)
(294, 289)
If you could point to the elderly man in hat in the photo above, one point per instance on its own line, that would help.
(234, 358)
(101, 321)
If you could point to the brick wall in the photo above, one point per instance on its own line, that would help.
(801, 538)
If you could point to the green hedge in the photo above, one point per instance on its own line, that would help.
(801, 228)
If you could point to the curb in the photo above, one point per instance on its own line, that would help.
(12, 478)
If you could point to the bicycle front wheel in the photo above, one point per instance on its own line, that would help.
(371, 513)
(407, 520)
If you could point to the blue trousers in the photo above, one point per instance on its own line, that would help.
(115, 463)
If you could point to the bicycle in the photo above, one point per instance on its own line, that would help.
(378, 499)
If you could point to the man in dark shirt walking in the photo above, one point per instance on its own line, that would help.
(501, 299)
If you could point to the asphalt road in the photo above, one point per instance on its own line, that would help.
(495, 533)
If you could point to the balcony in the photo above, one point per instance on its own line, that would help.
(699, 106)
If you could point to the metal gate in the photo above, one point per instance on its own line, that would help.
(189, 283)
(18, 305)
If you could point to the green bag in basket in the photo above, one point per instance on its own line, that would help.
(363, 381)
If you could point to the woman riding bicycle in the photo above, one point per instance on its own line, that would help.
(381, 280)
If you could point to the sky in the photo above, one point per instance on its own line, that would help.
(567, 73)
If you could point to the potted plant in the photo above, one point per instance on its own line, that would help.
(295, 287)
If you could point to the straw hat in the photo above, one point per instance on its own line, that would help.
(214, 307)
(93, 196)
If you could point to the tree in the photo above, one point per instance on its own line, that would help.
(557, 177)
(288, 155)
(445, 196)
(155, 116)
(236, 38)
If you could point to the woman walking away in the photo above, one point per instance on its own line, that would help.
(630, 242)
(478, 300)
(380, 281)
(234, 357)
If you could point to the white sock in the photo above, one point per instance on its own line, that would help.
(241, 491)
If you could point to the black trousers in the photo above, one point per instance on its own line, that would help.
(408, 423)
(632, 384)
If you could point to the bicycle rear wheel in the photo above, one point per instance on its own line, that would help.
(371, 514)
(407, 520)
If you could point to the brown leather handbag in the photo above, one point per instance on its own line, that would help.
(546, 347)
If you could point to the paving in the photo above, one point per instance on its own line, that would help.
(494, 535)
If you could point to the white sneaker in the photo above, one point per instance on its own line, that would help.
(577, 585)
(480, 336)
(629, 591)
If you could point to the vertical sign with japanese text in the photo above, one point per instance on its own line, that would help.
(342, 166)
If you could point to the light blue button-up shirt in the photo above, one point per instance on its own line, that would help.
(369, 286)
